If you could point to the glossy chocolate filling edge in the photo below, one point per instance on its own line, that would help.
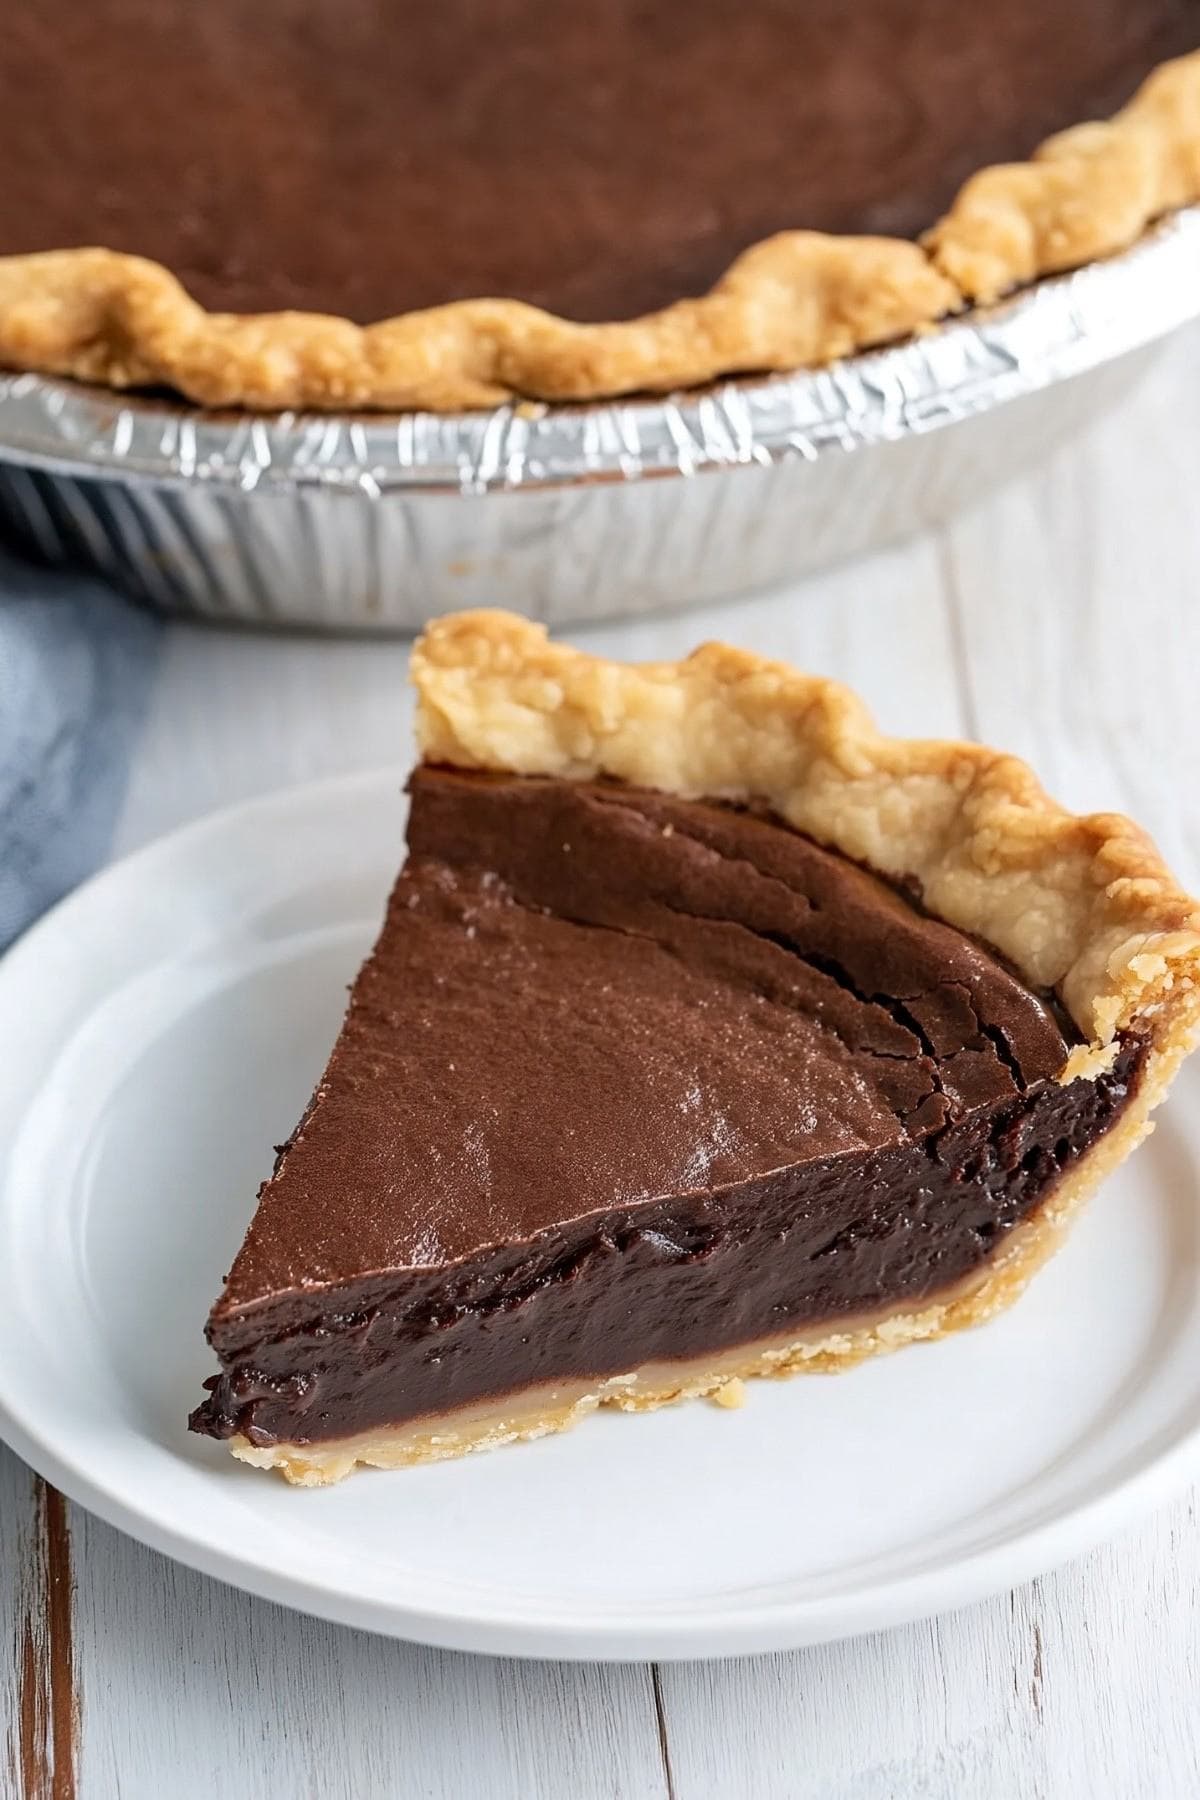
(818, 1242)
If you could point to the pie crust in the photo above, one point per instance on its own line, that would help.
(795, 299)
(1082, 904)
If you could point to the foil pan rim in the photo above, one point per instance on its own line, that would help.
(1062, 327)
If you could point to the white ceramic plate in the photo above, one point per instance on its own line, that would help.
(163, 1028)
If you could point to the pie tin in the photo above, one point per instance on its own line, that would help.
(572, 513)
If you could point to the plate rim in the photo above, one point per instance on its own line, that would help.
(753, 1627)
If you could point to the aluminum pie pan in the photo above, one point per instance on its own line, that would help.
(573, 512)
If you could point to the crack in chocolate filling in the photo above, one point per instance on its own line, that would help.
(630, 1079)
(365, 158)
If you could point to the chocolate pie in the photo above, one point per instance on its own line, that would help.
(354, 203)
(709, 1034)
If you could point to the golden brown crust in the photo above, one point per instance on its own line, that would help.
(798, 299)
(1081, 904)
(823, 1350)
(1086, 193)
(794, 299)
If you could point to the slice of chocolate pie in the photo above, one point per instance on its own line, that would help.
(709, 1034)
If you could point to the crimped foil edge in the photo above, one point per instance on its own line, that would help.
(1062, 327)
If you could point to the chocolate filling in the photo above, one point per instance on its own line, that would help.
(366, 158)
(630, 1079)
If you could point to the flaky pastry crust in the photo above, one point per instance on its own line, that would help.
(794, 299)
(1080, 904)
(797, 299)
(1086, 192)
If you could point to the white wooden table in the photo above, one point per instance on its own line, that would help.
(1060, 619)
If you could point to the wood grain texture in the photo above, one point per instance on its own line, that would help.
(1082, 1683)
(1059, 620)
(40, 1688)
(18, 1505)
(194, 1689)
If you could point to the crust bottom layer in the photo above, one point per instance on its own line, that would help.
(537, 1412)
